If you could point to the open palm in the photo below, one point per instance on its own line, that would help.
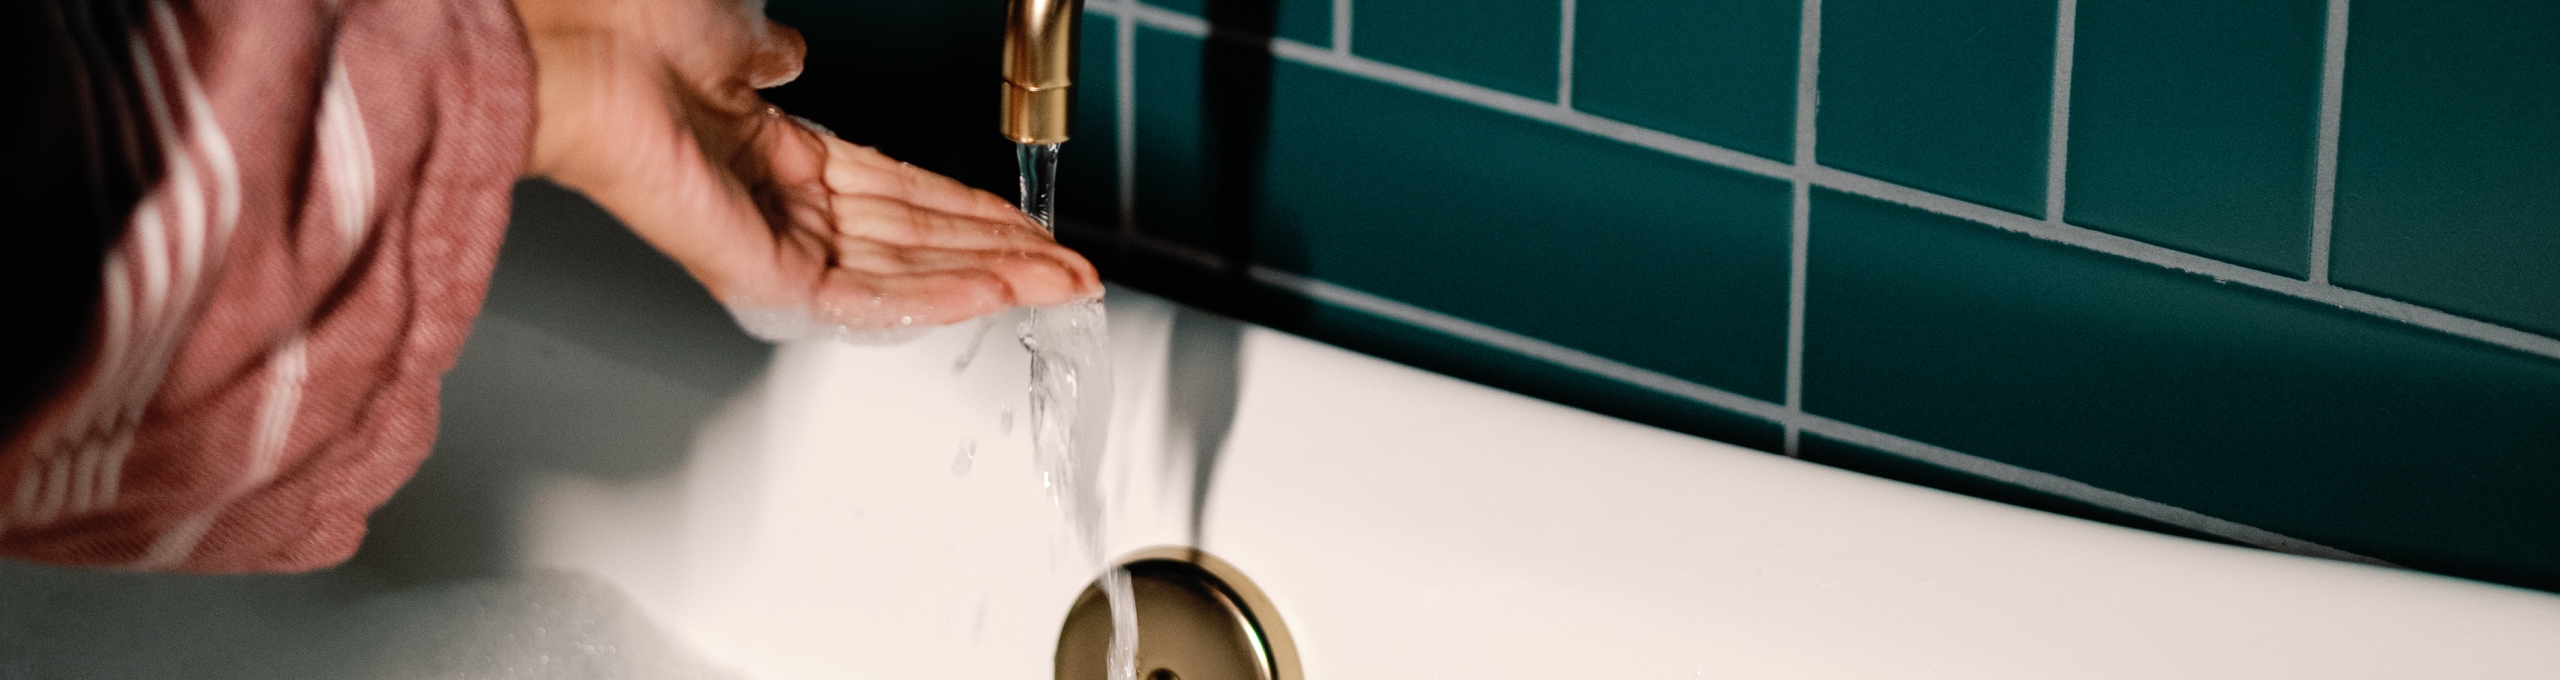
(649, 107)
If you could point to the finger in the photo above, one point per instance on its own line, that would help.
(870, 301)
(780, 54)
(861, 170)
(887, 259)
(1036, 276)
(890, 220)
(867, 171)
(1039, 279)
(789, 151)
(888, 286)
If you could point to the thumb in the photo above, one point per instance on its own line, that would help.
(779, 55)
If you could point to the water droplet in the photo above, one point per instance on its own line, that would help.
(970, 353)
(906, 320)
(1004, 420)
(968, 457)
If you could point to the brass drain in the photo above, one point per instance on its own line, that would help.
(1198, 619)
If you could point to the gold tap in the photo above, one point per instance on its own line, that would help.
(1039, 69)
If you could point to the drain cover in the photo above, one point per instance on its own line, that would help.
(1198, 619)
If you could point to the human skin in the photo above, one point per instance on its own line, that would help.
(650, 108)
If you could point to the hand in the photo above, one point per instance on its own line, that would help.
(649, 107)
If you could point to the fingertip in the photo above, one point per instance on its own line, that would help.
(1053, 276)
(1088, 277)
(779, 59)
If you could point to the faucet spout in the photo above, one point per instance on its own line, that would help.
(1039, 69)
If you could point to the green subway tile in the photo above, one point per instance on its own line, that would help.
(1089, 163)
(1718, 71)
(1649, 259)
(1174, 189)
(2293, 416)
(1953, 97)
(2194, 125)
(1306, 21)
(2449, 158)
(1507, 45)
(1835, 453)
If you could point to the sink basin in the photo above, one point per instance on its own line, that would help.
(868, 511)
(625, 487)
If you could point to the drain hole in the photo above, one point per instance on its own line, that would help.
(1163, 674)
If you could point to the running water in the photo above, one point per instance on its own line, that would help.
(1071, 412)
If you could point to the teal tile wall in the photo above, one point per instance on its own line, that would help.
(1179, 201)
(1088, 184)
(1718, 71)
(1621, 233)
(1508, 45)
(1401, 194)
(2449, 158)
(2325, 425)
(1952, 96)
(1306, 21)
(2194, 125)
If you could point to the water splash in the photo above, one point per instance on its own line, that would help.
(976, 339)
(1071, 412)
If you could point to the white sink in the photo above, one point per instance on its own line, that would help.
(626, 488)
(1411, 525)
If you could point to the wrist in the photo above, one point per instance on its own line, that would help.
(563, 50)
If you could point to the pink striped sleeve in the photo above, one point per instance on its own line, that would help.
(274, 323)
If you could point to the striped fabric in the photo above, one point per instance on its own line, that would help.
(264, 363)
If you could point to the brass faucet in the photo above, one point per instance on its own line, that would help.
(1039, 69)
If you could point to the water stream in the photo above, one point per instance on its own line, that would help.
(1071, 413)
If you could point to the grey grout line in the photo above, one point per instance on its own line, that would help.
(2057, 157)
(1808, 82)
(2220, 271)
(2324, 183)
(1124, 67)
(1564, 57)
(1170, 20)
(1835, 179)
(1341, 27)
(1800, 243)
(1800, 210)
(1845, 432)
(1531, 108)
(2079, 491)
